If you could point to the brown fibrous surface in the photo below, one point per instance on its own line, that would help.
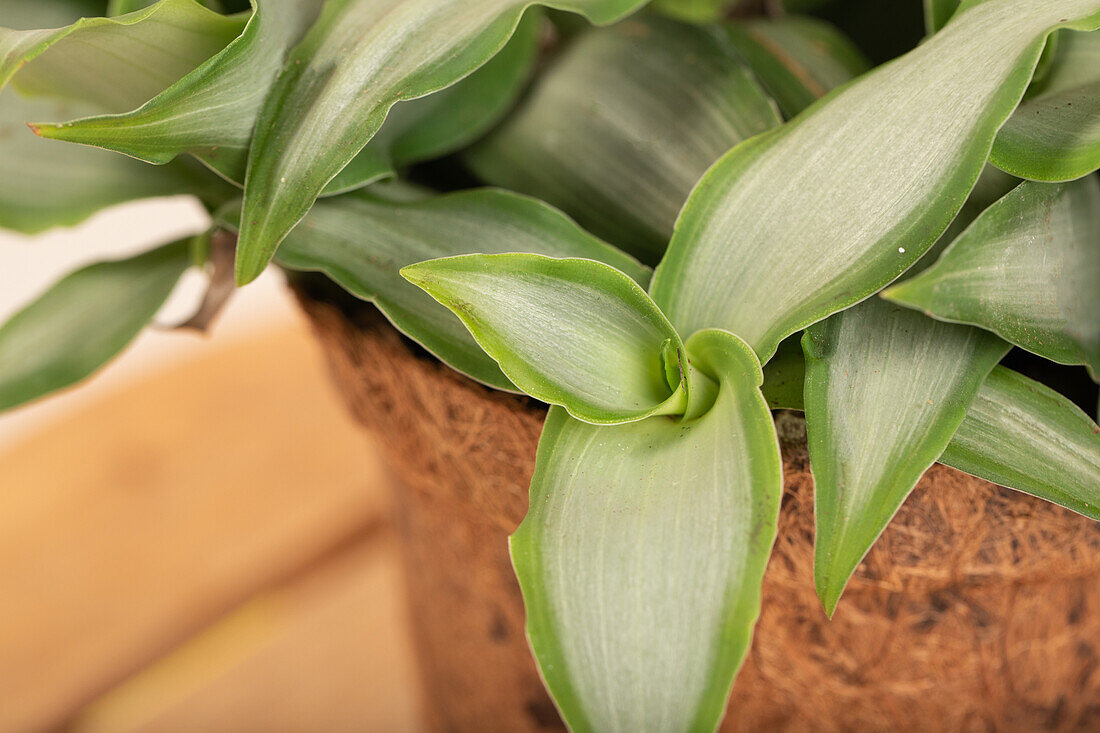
(977, 610)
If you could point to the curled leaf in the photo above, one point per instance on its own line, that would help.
(570, 332)
(363, 240)
(642, 555)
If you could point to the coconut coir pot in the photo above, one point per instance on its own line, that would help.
(977, 610)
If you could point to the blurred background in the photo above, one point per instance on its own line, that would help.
(198, 538)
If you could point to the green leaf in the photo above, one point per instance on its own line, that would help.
(571, 332)
(447, 120)
(358, 60)
(886, 388)
(362, 240)
(22, 15)
(47, 184)
(797, 59)
(121, 7)
(212, 111)
(1017, 433)
(1026, 269)
(937, 13)
(1023, 435)
(785, 376)
(696, 11)
(1054, 135)
(613, 136)
(83, 321)
(87, 60)
(816, 215)
(993, 184)
(642, 555)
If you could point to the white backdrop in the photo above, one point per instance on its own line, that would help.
(28, 265)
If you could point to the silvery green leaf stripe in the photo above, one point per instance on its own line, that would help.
(83, 321)
(85, 61)
(992, 185)
(571, 332)
(1026, 269)
(1023, 435)
(47, 184)
(937, 13)
(338, 85)
(886, 388)
(613, 135)
(643, 552)
(841, 200)
(445, 121)
(362, 240)
(797, 59)
(1054, 135)
(212, 111)
(1017, 433)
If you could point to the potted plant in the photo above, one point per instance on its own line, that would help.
(703, 212)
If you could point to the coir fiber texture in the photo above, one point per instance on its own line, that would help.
(977, 610)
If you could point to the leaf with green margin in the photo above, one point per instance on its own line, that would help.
(358, 60)
(797, 59)
(1017, 433)
(570, 332)
(886, 388)
(47, 184)
(83, 321)
(841, 200)
(362, 240)
(86, 60)
(992, 185)
(1026, 269)
(1054, 135)
(937, 13)
(450, 119)
(1011, 431)
(1023, 435)
(642, 555)
(211, 112)
(121, 7)
(613, 136)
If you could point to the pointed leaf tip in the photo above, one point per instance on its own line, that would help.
(328, 102)
(886, 388)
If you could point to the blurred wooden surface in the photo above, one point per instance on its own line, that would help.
(206, 550)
